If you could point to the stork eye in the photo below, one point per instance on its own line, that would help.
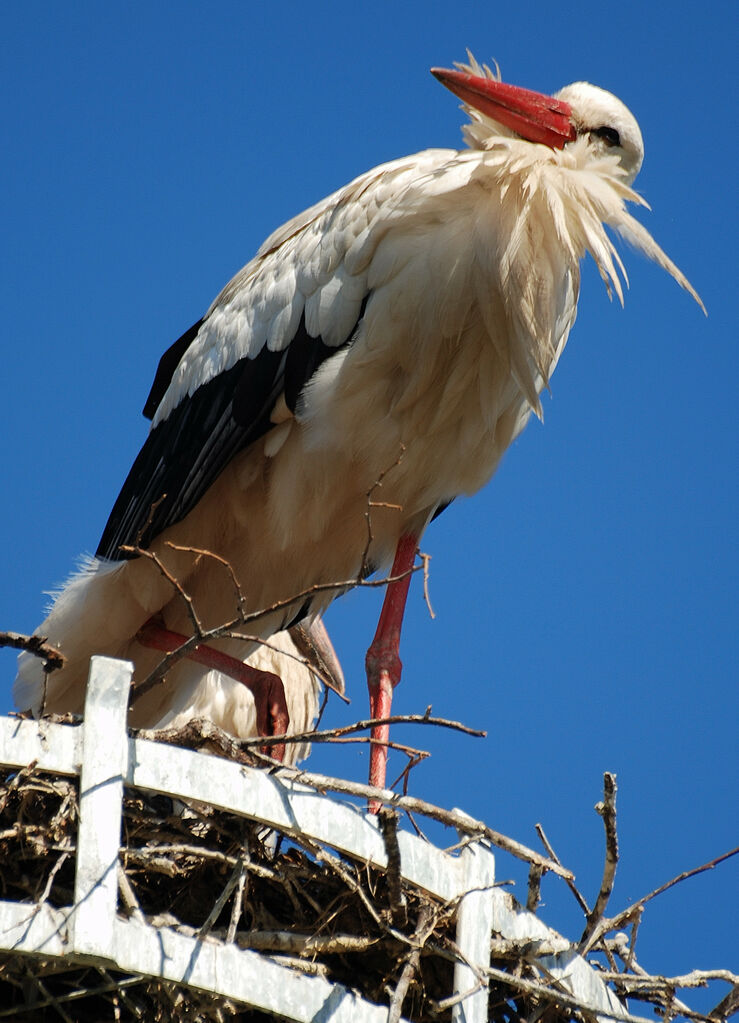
(609, 135)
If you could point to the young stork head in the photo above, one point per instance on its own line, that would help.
(577, 113)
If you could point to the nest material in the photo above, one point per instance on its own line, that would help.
(207, 872)
(314, 910)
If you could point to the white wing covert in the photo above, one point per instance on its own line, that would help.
(276, 322)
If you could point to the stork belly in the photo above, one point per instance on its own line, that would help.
(282, 534)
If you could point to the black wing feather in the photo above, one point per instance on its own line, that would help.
(165, 370)
(186, 452)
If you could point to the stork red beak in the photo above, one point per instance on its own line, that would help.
(532, 115)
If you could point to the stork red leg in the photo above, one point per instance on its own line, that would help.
(383, 661)
(266, 688)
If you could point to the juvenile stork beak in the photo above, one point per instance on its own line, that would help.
(532, 115)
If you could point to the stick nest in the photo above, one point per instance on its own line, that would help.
(213, 874)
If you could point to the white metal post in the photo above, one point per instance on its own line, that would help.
(104, 766)
(474, 926)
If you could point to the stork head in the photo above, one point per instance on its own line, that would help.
(578, 112)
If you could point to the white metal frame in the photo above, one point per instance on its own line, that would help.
(106, 759)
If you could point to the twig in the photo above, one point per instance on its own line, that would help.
(222, 899)
(201, 731)
(52, 874)
(182, 849)
(305, 944)
(196, 734)
(665, 995)
(424, 926)
(444, 1004)
(201, 552)
(18, 780)
(635, 923)
(607, 810)
(36, 645)
(570, 882)
(559, 997)
(335, 864)
(627, 915)
(330, 734)
(425, 559)
(415, 757)
(453, 818)
(388, 820)
(534, 892)
(139, 689)
(128, 896)
(52, 1000)
(179, 589)
(77, 995)
(238, 902)
(727, 1006)
(364, 566)
(149, 519)
(136, 1011)
(696, 978)
(688, 873)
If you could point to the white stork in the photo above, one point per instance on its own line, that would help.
(372, 362)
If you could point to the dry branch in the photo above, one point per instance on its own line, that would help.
(36, 645)
(607, 810)
(634, 911)
(426, 922)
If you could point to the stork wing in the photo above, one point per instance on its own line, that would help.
(297, 303)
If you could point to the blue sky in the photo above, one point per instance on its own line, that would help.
(586, 601)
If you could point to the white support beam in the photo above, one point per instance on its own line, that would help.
(52, 747)
(474, 923)
(209, 965)
(104, 767)
(241, 974)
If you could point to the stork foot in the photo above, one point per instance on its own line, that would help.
(267, 689)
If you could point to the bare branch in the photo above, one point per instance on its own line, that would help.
(607, 810)
(696, 978)
(331, 734)
(305, 944)
(426, 558)
(237, 903)
(201, 552)
(223, 898)
(424, 927)
(533, 896)
(689, 873)
(365, 567)
(727, 1006)
(570, 881)
(389, 826)
(176, 585)
(36, 645)
(635, 909)
(452, 818)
